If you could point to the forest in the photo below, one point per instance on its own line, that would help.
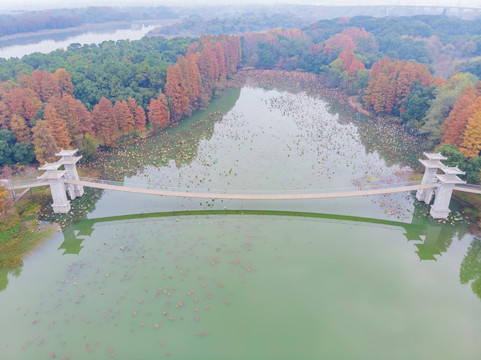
(420, 72)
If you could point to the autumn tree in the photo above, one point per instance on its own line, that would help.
(205, 62)
(58, 127)
(455, 124)
(471, 144)
(64, 81)
(104, 122)
(339, 42)
(78, 118)
(43, 142)
(408, 74)
(195, 81)
(441, 106)
(176, 89)
(350, 63)
(21, 130)
(139, 115)
(23, 102)
(159, 113)
(123, 117)
(43, 84)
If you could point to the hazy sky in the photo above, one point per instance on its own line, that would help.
(38, 4)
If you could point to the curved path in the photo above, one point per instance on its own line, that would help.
(250, 196)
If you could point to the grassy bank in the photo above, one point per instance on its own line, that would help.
(21, 232)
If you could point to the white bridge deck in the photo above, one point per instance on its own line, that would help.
(212, 195)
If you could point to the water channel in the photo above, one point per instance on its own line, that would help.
(144, 277)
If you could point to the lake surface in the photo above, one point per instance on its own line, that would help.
(143, 277)
(18, 47)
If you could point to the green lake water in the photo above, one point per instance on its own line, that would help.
(144, 277)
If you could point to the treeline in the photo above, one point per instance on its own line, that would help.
(115, 70)
(39, 113)
(196, 25)
(65, 18)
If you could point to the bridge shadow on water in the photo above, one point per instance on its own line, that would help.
(432, 238)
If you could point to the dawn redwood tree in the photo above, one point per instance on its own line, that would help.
(139, 115)
(471, 145)
(123, 117)
(455, 124)
(78, 119)
(58, 127)
(159, 114)
(195, 81)
(64, 81)
(104, 122)
(21, 130)
(23, 102)
(206, 64)
(176, 89)
(43, 142)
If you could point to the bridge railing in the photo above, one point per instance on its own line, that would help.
(24, 184)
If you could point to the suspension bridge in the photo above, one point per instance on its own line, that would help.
(434, 184)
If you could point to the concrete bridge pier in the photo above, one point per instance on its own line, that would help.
(55, 179)
(69, 162)
(432, 165)
(440, 208)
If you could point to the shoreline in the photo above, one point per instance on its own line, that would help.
(86, 27)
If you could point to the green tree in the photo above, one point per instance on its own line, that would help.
(416, 105)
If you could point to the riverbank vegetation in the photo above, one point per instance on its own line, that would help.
(20, 228)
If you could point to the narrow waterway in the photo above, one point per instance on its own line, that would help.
(150, 277)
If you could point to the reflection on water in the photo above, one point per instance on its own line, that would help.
(4, 274)
(471, 267)
(431, 239)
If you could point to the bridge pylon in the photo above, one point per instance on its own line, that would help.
(447, 181)
(431, 165)
(55, 179)
(69, 162)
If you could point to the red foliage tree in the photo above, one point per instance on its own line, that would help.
(58, 127)
(339, 41)
(123, 117)
(139, 115)
(349, 62)
(104, 122)
(159, 113)
(455, 124)
(176, 89)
